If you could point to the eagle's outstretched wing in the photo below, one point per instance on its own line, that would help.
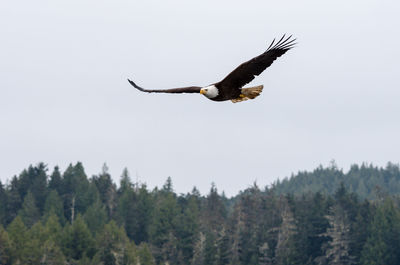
(189, 89)
(246, 72)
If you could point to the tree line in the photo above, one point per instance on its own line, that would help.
(68, 218)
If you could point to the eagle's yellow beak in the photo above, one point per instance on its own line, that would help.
(202, 91)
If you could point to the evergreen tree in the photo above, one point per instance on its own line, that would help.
(382, 244)
(214, 212)
(75, 191)
(127, 213)
(338, 248)
(78, 241)
(125, 182)
(96, 217)
(164, 225)
(310, 215)
(29, 212)
(198, 251)
(145, 256)
(224, 247)
(3, 204)
(5, 246)
(285, 246)
(210, 250)
(145, 208)
(52, 254)
(18, 235)
(111, 245)
(188, 228)
(14, 200)
(53, 229)
(107, 189)
(54, 206)
(56, 181)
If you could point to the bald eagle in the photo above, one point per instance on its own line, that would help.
(231, 87)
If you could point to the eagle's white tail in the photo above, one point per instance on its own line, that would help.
(249, 93)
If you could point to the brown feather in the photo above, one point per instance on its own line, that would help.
(246, 72)
(189, 89)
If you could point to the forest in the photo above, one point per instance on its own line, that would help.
(325, 216)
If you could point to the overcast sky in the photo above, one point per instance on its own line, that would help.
(64, 95)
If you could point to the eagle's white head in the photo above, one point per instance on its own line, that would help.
(209, 91)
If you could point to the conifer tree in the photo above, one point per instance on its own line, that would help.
(77, 240)
(56, 181)
(75, 191)
(14, 200)
(3, 204)
(107, 189)
(210, 249)
(18, 235)
(29, 212)
(54, 206)
(52, 254)
(111, 245)
(5, 246)
(96, 217)
(145, 256)
(337, 250)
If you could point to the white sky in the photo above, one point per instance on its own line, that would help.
(64, 95)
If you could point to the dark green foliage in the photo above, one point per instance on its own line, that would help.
(5, 246)
(75, 220)
(14, 200)
(75, 191)
(54, 206)
(382, 246)
(29, 212)
(96, 217)
(107, 189)
(362, 180)
(56, 181)
(77, 240)
(3, 205)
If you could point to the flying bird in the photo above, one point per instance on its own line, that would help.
(231, 87)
